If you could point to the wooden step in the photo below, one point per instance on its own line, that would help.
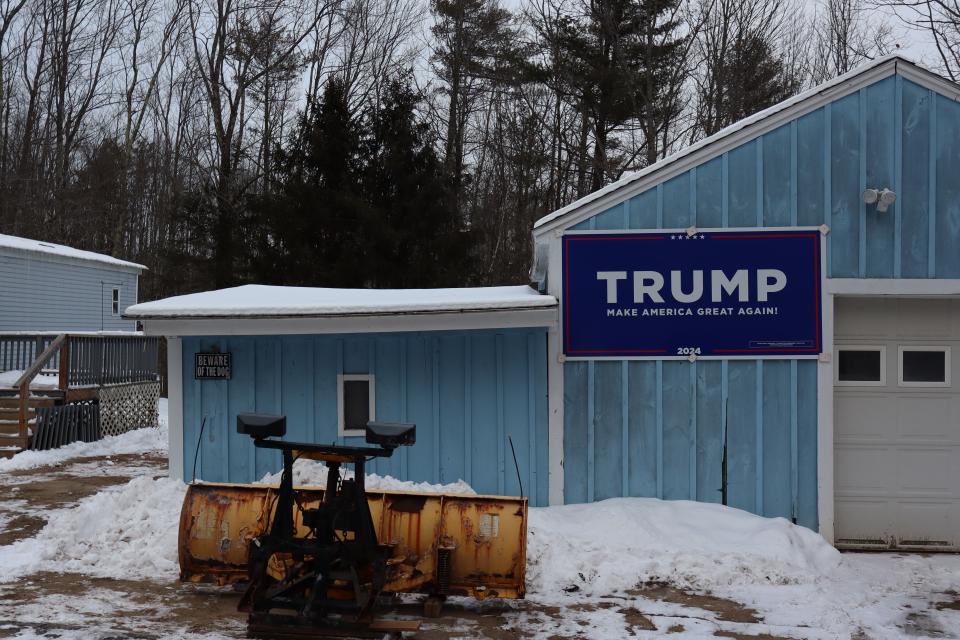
(13, 441)
(9, 452)
(8, 428)
(33, 401)
(14, 414)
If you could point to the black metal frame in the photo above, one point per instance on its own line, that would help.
(333, 575)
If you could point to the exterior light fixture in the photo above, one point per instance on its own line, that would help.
(883, 198)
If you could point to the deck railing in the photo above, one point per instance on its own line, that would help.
(78, 360)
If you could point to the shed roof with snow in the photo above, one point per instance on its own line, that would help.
(53, 251)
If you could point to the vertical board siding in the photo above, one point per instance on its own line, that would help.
(813, 170)
(464, 390)
(675, 426)
(947, 190)
(879, 164)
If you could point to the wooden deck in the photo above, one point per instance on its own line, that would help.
(82, 364)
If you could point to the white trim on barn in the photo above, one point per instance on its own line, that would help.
(499, 319)
(175, 404)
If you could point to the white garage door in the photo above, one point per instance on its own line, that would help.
(897, 422)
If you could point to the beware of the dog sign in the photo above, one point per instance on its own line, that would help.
(212, 366)
(689, 294)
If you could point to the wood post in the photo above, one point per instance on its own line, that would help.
(64, 382)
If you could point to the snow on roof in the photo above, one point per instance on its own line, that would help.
(740, 125)
(37, 246)
(254, 300)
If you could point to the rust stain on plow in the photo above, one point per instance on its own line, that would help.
(486, 536)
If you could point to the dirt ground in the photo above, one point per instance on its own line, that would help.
(68, 606)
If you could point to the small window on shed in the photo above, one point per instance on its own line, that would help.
(116, 301)
(859, 365)
(355, 403)
(924, 366)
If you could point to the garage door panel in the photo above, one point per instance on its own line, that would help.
(859, 519)
(865, 417)
(923, 472)
(924, 418)
(923, 319)
(923, 522)
(897, 448)
(863, 470)
(863, 318)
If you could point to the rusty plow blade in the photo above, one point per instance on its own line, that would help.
(441, 544)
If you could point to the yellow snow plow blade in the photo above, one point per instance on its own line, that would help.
(445, 544)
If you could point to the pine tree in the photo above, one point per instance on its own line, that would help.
(361, 202)
(419, 239)
(311, 226)
(614, 58)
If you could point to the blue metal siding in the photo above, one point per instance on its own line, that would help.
(466, 391)
(43, 294)
(657, 428)
(664, 437)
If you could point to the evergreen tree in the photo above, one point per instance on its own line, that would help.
(361, 202)
(418, 237)
(311, 226)
(613, 62)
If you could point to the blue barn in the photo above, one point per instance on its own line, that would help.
(851, 431)
(859, 443)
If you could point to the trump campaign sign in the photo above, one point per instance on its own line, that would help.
(668, 294)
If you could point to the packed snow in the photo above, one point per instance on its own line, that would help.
(263, 300)
(312, 473)
(41, 381)
(148, 440)
(124, 532)
(618, 544)
(62, 251)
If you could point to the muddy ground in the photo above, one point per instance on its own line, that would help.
(68, 606)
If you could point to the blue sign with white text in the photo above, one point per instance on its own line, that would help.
(710, 293)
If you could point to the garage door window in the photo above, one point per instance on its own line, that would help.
(861, 365)
(924, 367)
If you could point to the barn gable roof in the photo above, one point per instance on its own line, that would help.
(741, 132)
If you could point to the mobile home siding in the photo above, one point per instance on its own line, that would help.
(467, 392)
(44, 294)
(657, 428)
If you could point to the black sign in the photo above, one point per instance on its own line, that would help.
(211, 366)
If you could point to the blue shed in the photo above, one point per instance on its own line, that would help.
(858, 438)
(51, 287)
(467, 366)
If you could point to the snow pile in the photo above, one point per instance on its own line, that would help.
(124, 532)
(42, 381)
(136, 441)
(618, 544)
(312, 473)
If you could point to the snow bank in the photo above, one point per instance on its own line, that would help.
(618, 544)
(136, 441)
(128, 531)
(312, 473)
